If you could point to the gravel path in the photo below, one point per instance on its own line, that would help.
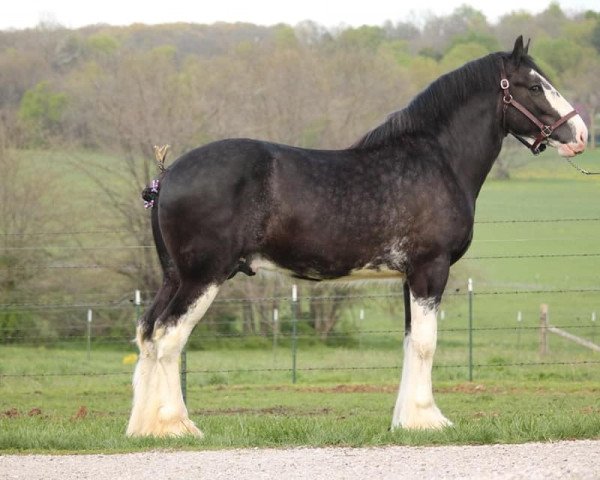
(561, 460)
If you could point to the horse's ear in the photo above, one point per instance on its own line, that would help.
(518, 51)
(526, 50)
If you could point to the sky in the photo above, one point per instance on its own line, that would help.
(18, 14)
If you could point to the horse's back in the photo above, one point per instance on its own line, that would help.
(214, 167)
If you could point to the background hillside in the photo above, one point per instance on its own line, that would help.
(81, 109)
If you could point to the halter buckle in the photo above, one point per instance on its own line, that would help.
(546, 131)
(504, 84)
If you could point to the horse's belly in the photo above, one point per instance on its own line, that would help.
(365, 273)
(373, 273)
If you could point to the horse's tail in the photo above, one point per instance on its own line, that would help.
(150, 193)
(166, 262)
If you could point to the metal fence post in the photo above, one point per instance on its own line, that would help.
(361, 319)
(543, 329)
(470, 290)
(184, 375)
(89, 333)
(294, 330)
(275, 331)
(137, 301)
(519, 324)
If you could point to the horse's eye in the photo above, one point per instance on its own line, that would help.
(535, 88)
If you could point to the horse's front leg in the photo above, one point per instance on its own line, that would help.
(415, 407)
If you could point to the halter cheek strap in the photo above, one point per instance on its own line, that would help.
(545, 130)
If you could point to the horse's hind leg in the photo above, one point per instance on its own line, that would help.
(146, 363)
(158, 407)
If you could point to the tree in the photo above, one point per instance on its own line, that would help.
(369, 37)
(42, 111)
(583, 81)
(517, 23)
(561, 54)
(460, 54)
(595, 37)
(438, 32)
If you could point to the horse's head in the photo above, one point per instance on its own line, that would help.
(541, 114)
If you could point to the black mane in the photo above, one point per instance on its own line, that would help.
(435, 105)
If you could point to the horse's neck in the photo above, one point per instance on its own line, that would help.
(474, 139)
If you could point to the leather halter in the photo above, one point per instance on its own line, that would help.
(545, 130)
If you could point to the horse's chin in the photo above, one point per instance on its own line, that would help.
(568, 149)
(565, 150)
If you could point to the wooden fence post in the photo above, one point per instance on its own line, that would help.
(543, 329)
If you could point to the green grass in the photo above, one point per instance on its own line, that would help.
(259, 409)
(283, 415)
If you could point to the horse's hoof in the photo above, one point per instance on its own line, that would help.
(174, 428)
(423, 419)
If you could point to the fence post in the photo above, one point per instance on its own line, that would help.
(137, 301)
(89, 333)
(294, 330)
(470, 290)
(543, 329)
(361, 321)
(275, 331)
(519, 323)
(183, 375)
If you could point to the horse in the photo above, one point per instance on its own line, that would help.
(398, 203)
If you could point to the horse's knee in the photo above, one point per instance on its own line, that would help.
(424, 351)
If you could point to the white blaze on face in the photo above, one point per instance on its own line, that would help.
(562, 107)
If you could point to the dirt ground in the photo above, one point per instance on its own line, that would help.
(559, 460)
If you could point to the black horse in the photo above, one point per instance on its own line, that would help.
(400, 202)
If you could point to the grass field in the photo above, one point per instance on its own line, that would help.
(89, 413)
(55, 399)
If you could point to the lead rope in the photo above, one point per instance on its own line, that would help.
(579, 169)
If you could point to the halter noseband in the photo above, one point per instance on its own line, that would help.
(545, 130)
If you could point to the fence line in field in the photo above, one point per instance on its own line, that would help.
(123, 232)
(131, 265)
(114, 339)
(128, 299)
(301, 369)
(294, 335)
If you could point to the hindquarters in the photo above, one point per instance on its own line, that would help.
(213, 207)
(207, 215)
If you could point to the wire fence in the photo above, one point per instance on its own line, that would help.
(339, 332)
(282, 329)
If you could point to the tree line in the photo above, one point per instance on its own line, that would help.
(113, 92)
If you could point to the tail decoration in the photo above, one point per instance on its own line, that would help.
(150, 193)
